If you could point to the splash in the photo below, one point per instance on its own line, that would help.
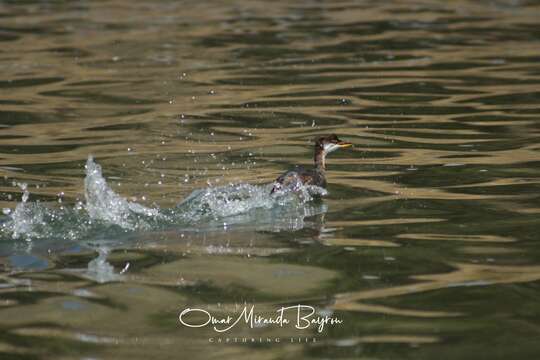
(26, 219)
(102, 203)
(224, 201)
(100, 270)
(240, 204)
(107, 215)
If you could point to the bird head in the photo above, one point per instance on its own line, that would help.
(331, 143)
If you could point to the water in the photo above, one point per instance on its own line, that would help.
(425, 244)
(103, 210)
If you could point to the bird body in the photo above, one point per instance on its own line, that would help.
(317, 176)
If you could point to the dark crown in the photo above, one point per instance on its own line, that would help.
(327, 139)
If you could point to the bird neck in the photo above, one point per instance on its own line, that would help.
(320, 159)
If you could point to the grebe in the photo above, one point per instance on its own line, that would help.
(316, 176)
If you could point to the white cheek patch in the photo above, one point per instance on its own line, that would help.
(328, 148)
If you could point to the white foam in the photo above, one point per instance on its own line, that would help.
(241, 203)
(100, 270)
(104, 204)
(225, 201)
(25, 218)
(239, 199)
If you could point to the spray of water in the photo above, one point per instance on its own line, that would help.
(105, 214)
(100, 270)
(26, 219)
(102, 203)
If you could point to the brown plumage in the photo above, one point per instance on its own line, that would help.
(316, 176)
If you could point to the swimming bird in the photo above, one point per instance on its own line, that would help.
(316, 176)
